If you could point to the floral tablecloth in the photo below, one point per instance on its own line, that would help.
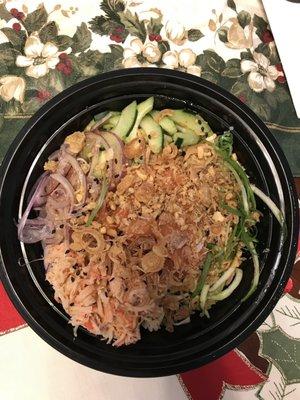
(46, 47)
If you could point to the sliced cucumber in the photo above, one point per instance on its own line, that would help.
(185, 139)
(205, 128)
(153, 132)
(126, 121)
(166, 123)
(114, 120)
(186, 120)
(142, 109)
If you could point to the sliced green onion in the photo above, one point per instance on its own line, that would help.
(256, 271)
(204, 273)
(242, 187)
(227, 274)
(228, 291)
(270, 203)
(99, 203)
(244, 178)
(203, 296)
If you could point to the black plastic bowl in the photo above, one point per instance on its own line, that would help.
(203, 340)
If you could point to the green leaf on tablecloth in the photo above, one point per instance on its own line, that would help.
(271, 99)
(163, 46)
(232, 72)
(31, 106)
(214, 61)
(233, 62)
(194, 35)
(246, 55)
(104, 26)
(282, 94)
(210, 76)
(283, 351)
(8, 56)
(263, 48)
(240, 88)
(116, 50)
(244, 18)
(222, 33)
(36, 19)
(155, 25)
(231, 4)
(133, 25)
(275, 387)
(82, 38)
(258, 104)
(112, 7)
(4, 13)
(62, 42)
(17, 39)
(49, 32)
(56, 80)
(90, 62)
(260, 24)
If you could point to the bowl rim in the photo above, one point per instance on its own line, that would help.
(288, 179)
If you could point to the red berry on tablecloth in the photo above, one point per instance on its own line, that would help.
(14, 12)
(20, 15)
(60, 66)
(63, 56)
(152, 37)
(116, 38)
(67, 70)
(16, 27)
(43, 95)
(242, 98)
(279, 67)
(267, 37)
(158, 38)
(119, 29)
(281, 79)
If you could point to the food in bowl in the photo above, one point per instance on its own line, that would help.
(145, 218)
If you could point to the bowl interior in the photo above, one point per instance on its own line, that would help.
(189, 345)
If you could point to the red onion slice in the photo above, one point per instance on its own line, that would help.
(67, 187)
(81, 176)
(36, 230)
(118, 148)
(36, 195)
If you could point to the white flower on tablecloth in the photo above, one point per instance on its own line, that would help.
(170, 59)
(151, 52)
(12, 87)
(175, 32)
(262, 75)
(2, 23)
(136, 45)
(187, 58)
(39, 57)
(131, 62)
(239, 37)
(194, 70)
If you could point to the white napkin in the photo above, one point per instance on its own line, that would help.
(284, 19)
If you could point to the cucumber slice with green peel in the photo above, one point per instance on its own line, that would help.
(126, 121)
(166, 123)
(205, 128)
(154, 134)
(113, 121)
(142, 109)
(186, 139)
(186, 120)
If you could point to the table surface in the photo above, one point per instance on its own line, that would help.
(45, 48)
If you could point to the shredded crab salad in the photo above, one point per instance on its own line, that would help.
(145, 218)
